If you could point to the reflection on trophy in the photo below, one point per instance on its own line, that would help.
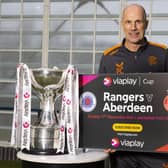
(48, 84)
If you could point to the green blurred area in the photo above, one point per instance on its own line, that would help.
(10, 164)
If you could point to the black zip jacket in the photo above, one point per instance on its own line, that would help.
(150, 57)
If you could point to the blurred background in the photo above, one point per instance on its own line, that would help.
(47, 33)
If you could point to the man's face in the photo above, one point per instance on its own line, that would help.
(134, 25)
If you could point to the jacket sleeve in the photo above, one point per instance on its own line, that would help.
(102, 66)
(166, 61)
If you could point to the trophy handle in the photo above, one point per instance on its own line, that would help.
(57, 106)
(34, 81)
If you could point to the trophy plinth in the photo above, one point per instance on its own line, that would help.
(48, 84)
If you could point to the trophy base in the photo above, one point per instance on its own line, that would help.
(43, 152)
(44, 138)
(44, 141)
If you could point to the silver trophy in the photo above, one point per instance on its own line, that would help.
(48, 84)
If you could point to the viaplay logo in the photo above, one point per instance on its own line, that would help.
(108, 81)
(87, 101)
(115, 142)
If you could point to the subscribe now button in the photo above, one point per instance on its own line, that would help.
(126, 127)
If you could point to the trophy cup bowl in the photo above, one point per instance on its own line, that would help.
(48, 85)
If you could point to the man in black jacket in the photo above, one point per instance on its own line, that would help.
(135, 55)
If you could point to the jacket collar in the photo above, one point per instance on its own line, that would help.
(143, 46)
